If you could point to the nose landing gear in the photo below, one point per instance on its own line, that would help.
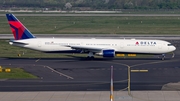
(169, 55)
(173, 54)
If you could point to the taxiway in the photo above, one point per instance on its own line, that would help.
(94, 75)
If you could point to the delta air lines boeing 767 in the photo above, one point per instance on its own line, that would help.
(104, 47)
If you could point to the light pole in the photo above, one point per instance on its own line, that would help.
(111, 92)
(129, 79)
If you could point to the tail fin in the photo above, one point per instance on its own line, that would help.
(18, 29)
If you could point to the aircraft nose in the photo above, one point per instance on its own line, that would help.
(173, 48)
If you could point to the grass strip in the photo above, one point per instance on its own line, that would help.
(16, 73)
(96, 25)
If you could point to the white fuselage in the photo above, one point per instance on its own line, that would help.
(119, 45)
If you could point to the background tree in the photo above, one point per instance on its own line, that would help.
(95, 4)
(68, 5)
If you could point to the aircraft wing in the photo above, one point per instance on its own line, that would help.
(88, 48)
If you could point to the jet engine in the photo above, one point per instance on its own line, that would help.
(107, 53)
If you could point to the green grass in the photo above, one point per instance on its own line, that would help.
(96, 25)
(16, 73)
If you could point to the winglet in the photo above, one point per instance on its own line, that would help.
(18, 29)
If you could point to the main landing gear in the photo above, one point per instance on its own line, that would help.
(90, 55)
(163, 57)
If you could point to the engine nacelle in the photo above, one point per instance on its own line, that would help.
(108, 53)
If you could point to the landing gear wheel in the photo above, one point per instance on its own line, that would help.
(90, 55)
(163, 56)
(173, 54)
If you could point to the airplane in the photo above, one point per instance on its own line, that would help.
(107, 48)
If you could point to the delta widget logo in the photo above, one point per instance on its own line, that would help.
(145, 43)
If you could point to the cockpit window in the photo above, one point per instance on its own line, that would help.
(169, 44)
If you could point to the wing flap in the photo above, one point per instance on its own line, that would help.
(88, 48)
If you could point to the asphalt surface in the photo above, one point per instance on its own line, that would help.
(94, 75)
(80, 74)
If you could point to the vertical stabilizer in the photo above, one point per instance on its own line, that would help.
(18, 29)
